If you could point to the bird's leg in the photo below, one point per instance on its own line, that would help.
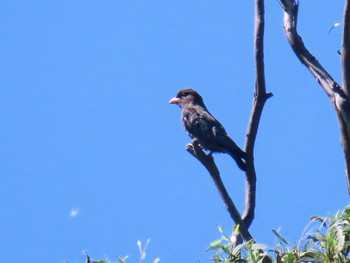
(194, 144)
(195, 141)
(197, 150)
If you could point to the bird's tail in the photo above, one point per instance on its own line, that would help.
(241, 164)
(239, 155)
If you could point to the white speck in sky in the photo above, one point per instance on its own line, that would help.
(74, 212)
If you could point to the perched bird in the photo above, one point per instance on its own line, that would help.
(203, 127)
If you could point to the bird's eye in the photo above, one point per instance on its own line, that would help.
(183, 94)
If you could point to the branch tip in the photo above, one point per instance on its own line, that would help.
(289, 6)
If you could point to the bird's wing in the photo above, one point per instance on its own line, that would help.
(213, 124)
(215, 135)
(200, 124)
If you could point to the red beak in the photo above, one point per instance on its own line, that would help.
(174, 101)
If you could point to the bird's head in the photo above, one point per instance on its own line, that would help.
(187, 96)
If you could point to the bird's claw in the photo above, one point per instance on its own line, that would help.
(194, 145)
(189, 146)
(195, 142)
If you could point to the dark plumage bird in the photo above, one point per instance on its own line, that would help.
(203, 127)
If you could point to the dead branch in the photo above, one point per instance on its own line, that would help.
(339, 96)
(260, 97)
(209, 164)
(346, 49)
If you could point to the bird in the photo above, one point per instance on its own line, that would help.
(202, 127)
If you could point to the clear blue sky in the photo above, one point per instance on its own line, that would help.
(92, 156)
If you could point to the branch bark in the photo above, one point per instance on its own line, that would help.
(209, 164)
(260, 97)
(346, 49)
(344, 104)
(338, 95)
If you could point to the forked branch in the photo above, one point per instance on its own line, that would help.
(260, 97)
(209, 164)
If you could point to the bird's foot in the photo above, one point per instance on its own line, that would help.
(196, 142)
(189, 146)
(193, 145)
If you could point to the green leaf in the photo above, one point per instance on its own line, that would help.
(259, 246)
(319, 236)
(318, 218)
(220, 229)
(335, 25)
(235, 230)
(347, 211)
(238, 248)
(215, 244)
(122, 260)
(282, 239)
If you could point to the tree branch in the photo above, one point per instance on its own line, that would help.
(346, 49)
(291, 8)
(260, 97)
(209, 164)
(338, 95)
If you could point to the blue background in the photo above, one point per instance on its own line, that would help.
(92, 156)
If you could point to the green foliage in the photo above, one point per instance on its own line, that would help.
(331, 241)
(227, 251)
(124, 259)
(325, 239)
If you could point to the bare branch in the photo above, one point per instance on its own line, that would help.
(291, 8)
(338, 95)
(346, 49)
(209, 164)
(260, 97)
(343, 104)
